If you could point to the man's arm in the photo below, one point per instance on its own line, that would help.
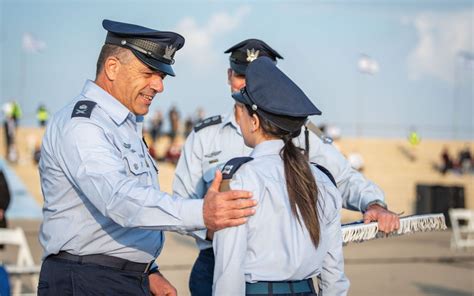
(357, 192)
(97, 169)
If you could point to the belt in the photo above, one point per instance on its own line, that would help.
(104, 260)
(286, 287)
(207, 252)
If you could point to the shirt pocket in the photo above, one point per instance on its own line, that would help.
(136, 164)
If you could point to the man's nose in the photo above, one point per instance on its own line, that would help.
(157, 83)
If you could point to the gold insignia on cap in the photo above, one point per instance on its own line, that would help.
(252, 54)
(169, 51)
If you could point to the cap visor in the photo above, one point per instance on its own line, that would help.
(241, 98)
(238, 68)
(155, 64)
(287, 123)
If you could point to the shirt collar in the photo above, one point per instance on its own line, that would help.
(270, 147)
(116, 110)
(230, 119)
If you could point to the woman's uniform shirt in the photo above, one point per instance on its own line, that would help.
(273, 245)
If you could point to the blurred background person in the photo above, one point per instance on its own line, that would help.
(188, 126)
(9, 128)
(156, 125)
(446, 161)
(42, 115)
(16, 113)
(4, 200)
(173, 116)
(465, 159)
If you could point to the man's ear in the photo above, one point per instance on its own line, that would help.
(112, 67)
(229, 75)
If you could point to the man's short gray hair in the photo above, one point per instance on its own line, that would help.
(109, 50)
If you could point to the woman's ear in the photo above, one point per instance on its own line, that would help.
(255, 122)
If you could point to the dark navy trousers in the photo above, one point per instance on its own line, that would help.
(202, 274)
(63, 277)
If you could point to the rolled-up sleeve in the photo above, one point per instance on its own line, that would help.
(96, 168)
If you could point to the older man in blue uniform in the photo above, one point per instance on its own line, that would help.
(103, 209)
(218, 139)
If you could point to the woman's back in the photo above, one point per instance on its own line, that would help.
(274, 245)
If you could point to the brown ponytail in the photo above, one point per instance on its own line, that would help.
(300, 182)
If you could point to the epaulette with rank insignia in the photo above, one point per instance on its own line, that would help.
(326, 172)
(207, 122)
(83, 109)
(229, 170)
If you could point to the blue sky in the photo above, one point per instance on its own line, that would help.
(423, 82)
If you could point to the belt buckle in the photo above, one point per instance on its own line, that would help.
(148, 266)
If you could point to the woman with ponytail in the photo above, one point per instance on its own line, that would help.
(295, 234)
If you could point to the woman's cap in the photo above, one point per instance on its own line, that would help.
(275, 96)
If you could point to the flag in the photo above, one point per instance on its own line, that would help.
(31, 44)
(367, 65)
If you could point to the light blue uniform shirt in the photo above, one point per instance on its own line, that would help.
(273, 245)
(100, 186)
(211, 147)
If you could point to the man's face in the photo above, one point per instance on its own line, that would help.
(136, 85)
(235, 80)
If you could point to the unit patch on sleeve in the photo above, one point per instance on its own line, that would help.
(83, 109)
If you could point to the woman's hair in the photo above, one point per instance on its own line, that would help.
(300, 182)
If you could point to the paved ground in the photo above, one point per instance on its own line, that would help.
(413, 265)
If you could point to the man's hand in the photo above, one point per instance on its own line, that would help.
(1, 214)
(387, 220)
(226, 209)
(159, 286)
